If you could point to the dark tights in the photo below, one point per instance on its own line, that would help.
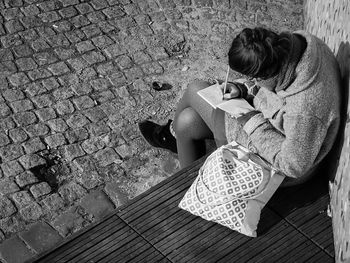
(192, 124)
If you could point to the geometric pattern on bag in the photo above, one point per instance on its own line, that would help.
(224, 185)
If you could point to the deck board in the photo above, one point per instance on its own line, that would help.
(151, 228)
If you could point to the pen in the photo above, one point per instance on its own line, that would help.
(225, 84)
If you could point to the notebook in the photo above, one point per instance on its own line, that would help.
(235, 107)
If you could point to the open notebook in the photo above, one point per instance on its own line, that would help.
(235, 107)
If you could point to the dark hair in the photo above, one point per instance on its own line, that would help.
(259, 52)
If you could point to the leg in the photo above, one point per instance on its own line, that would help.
(192, 124)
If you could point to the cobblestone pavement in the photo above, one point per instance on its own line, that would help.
(75, 78)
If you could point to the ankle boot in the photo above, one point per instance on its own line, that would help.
(158, 135)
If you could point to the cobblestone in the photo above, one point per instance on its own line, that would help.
(8, 186)
(11, 168)
(10, 152)
(98, 204)
(107, 156)
(22, 199)
(53, 202)
(31, 212)
(55, 140)
(40, 190)
(26, 178)
(33, 145)
(31, 160)
(73, 151)
(6, 207)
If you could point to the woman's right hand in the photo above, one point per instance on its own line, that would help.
(232, 91)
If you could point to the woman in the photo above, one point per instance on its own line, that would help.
(296, 97)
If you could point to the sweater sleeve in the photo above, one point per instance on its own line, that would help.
(295, 151)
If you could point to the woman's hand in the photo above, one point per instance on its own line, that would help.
(232, 91)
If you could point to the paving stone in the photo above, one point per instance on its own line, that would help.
(94, 57)
(89, 179)
(13, 26)
(88, 74)
(42, 101)
(30, 10)
(98, 128)
(102, 41)
(83, 102)
(141, 57)
(40, 44)
(32, 212)
(4, 110)
(77, 120)
(22, 252)
(63, 26)
(22, 199)
(100, 84)
(58, 125)
(80, 21)
(91, 30)
(11, 40)
(117, 78)
(64, 53)
(58, 40)
(105, 68)
(39, 74)
(99, 4)
(152, 68)
(13, 95)
(31, 22)
(98, 204)
(7, 68)
(29, 34)
(7, 124)
(68, 222)
(24, 118)
(34, 88)
(55, 140)
(21, 105)
(6, 207)
(22, 51)
(11, 225)
(33, 145)
(63, 93)
(39, 190)
(48, 6)
(18, 135)
(31, 160)
(11, 168)
(68, 12)
(107, 156)
(135, 72)
(69, 2)
(71, 192)
(50, 83)
(53, 202)
(49, 17)
(124, 62)
(68, 80)
(38, 129)
(78, 64)
(84, 164)
(25, 64)
(26, 178)
(76, 135)
(73, 151)
(103, 96)
(95, 114)
(114, 50)
(113, 192)
(11, 13)
(45, 114)
(58, 68)
(11, 152)
(75, 36)
(93, 145)
(113, 12)
(124, 151)
(158, 53)
(6, 54)
(8, 186)
(64, 107)
(97, 17)
(18, 79)
(4, 140)
(142, 19)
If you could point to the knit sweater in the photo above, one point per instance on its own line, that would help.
(295, 127)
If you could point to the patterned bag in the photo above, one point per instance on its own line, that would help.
(232, 187)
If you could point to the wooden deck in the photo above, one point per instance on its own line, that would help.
(294, 227)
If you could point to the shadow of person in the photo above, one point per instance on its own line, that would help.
(288, 199)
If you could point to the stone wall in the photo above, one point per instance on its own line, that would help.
(330, 20)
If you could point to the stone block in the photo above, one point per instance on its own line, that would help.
(50, 83)
(6, 207)
(107, 156)
(95, 114)
(158, 53)
(76, 135)
(91, 30)
(39, 44)
(141, 57)
(63, 93)
(18, 135)
(8, 186)
(22, 51)
(49, 17)
(22, 252)
(33, 145)
(59, 68)
(84, 164)
(134, 73)
(93, 145)
(81, 89)
(98, 204)
(78, 64)
(64, 53)
(13, 26)
(25, 64)
(7, 124)
(105, 68)
(4, 110)
(64, 107)
(6, 54)
(40, 237)
(69, 222)
(34, 88)
(100, 84)
(42, 101)
(94, 57)
(22, 199)
(55, 140)
(99, 4)
(58, 125)
(45, 114)
(113, 12)
(32, 212)
(103, 96)
(85, 46)
(102, 41)
(52, 202)
(41, 189)
(11, 152)
(79, 21)
(77, 120)
(4, 139)
(26, 178)
(73, 151)
(152, 68)
(18, 79)
(83, 102)
(11, 168)
(71, 192)
(31, 160)
(39, 74)
(68, 12)
(89, 179)
(98, 128)
(38, 129)
(114, 50)
(124, 62)
(21, 105)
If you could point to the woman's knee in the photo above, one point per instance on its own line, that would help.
(186, 122)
